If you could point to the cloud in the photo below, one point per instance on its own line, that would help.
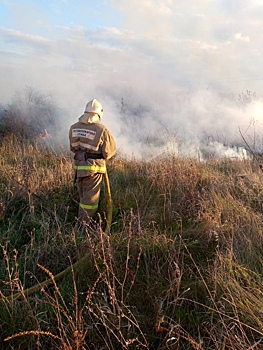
(12, 36)
(242, 37)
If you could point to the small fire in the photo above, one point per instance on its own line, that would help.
(46, 135)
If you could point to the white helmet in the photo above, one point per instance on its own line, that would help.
(94, 106)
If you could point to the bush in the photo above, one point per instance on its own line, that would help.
(29, 114)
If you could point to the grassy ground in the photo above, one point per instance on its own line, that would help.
(181, 269)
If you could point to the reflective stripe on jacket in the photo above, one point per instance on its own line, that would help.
(91, 138)
(95, 168)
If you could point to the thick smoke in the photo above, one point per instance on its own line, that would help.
(186, 123)
(198, 124)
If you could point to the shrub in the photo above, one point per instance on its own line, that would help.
(29, 114)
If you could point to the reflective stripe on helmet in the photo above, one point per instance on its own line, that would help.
(86, 206)
(96, 168)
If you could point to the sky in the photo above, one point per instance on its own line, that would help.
(181, 69)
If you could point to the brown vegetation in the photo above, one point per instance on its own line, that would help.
(181, 268)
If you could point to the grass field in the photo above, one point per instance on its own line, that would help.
(181, 268)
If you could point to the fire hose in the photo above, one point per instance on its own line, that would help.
(78, 263)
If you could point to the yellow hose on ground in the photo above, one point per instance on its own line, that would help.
(109, 202)
(78, 264)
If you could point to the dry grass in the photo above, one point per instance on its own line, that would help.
(181, 269)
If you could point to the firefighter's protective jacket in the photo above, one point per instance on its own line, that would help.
(87, 139)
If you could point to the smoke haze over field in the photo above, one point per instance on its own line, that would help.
(163, 70)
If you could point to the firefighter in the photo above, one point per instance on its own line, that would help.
(92, 144)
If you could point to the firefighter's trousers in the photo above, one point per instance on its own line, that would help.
(89, 195)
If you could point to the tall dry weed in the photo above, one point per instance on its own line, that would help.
(182, 267)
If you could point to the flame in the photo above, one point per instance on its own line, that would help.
(46, 135)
